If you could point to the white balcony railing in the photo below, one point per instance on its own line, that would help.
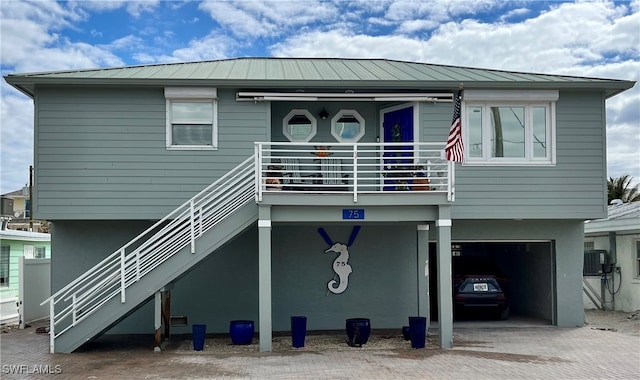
(360, 168)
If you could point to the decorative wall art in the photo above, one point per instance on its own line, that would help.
(341, 265)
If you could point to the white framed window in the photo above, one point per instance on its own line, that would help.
(299, 125)
(192, 118)
(5, 256)
(41, 252)
(589, 245)
(28, 251)
(347, 126)
(509, 127)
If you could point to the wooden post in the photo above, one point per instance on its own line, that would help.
(166, 313)
(31, 198)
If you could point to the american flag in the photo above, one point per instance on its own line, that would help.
(455, 147)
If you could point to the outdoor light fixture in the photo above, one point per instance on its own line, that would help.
(323, 114)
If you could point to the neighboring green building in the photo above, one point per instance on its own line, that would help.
(13, 245)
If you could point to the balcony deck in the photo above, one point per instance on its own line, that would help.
(342, 174)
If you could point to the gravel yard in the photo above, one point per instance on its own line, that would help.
(614, 321)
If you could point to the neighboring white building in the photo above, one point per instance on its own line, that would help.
(619, 236)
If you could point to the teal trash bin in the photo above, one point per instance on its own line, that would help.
(199, 333)
(298, 330)
(418, 331)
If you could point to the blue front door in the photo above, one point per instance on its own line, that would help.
(398, 159)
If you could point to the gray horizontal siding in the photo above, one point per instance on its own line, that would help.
(573, 188)
(100, 153)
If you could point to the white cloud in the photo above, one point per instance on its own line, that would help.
(213, 46)
(16, 137)
(30, 42)
(269, 18)
(134, 7)
(129, 42)
(413, 26)
(341, 44)
(514, 13)
(437, 10)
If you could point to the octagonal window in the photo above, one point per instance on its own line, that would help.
(299, 126)
(347, 126)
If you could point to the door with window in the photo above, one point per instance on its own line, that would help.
(398, 126)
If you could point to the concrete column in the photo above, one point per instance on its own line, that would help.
(157, 321)
(264, 278)
(445, 280)
(423, 271)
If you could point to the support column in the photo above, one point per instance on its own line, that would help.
(423, 271)
(157, 321)
(264, 278)
(445, 280)
(166, 310)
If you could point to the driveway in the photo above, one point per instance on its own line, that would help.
(540, 352)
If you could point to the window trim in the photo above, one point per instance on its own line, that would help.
(308, 115)
(526, 99)
(29, 251)
(191, 95)
(357, 116)
(6, 284)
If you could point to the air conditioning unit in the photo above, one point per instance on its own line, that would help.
(594, 262)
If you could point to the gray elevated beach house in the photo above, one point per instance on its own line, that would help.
(264, 188)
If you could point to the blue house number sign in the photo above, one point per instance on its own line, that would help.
(353, 213)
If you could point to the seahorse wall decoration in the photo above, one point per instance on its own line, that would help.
(341, 265)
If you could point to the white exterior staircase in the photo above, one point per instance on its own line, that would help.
(128, 278)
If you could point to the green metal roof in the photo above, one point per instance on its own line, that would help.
(313, 72)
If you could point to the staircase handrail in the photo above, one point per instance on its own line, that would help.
(194, 217)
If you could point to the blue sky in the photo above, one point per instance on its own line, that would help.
(595, 39)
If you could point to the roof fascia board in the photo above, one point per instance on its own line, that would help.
(26, 84)
(628, 224)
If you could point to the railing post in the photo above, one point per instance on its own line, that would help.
(73, 308)
(200, 231)
(355, 173)
(193, 226)
(138, 264)
(258, 164)
(450, 169)
(52, 323)
(123, 283)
